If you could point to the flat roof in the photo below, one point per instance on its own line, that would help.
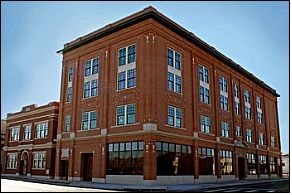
(151, 12)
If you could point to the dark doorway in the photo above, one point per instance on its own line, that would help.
(241, 168)
(87, 166)
(23, 164)
(64, 169)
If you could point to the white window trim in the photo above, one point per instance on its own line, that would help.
(88, 125)
(205, 124)
(125, 115)
(90, 79)
(126, 77)
(24, 128)
(249, 135)
(229, 131)
(16, 159)
(181, 122)
(127, 48)
(202, 83)
(36, 128)
(39, 152)
(14, 128)
(91, 65)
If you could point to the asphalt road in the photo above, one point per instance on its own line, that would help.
(279, 186)
(24, 186)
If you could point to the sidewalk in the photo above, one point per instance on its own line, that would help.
(152, 188)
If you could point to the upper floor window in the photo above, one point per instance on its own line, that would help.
(204, 74)
(223, 102)
(173, 59)
(11, 161)
(249, 135)
(261, 139)
(127, 55)
(91, 67)
(237, 130)
(236, 91)
(237, 108)
(174, 82)
(126, 114)
(27, 132)
(67, 123)
(246, 96)
(174, 116)
(223, 84)
(90, 88)
(88, 120)
(127, 79)
(41, 130)
(259, 103)
(273, 142)
(225, 130)
(14, 133)
(70, 74)
(204, 95)
(39, 160)
(260, 117)
(205, 124)
(247, 112)
(69, 94)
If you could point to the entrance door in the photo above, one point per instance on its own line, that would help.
(241, 168)
(87, 166)
(64, 169)
(23, 164)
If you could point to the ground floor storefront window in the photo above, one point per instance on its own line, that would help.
(226, 162)
(125, 158)
(273, 161)
(263, 164)
(251, 164)
(174, 159)
(206, 161)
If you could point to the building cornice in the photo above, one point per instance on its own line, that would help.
(151, 12)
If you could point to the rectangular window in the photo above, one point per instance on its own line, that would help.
(170, 57)
(70, 74)
(174, 116)
(223, 103)
(122, 56)
(127, 55)
(251, 164)
(259, 103)
(204, 74)
(205, 124)
(263, 164)
(170, 81)
(223, 84)
(238, 130)
(273, 142)
(69, 94)
(94, 87)
(249, 136)
(177, 61)
(226, 162)
(273, 161)
(91, 67)
(173, 59)
(177, 84)
(246, 96)
(237, 108)
(86, 90)
(87, 70)
(247, 112)
(131, 78)
(67, 123)
(261, 139)
(131, 54)
(125, 158)
(204, 95)
(14, 134)
(124, 111)
(39, 160)
(206, 161)
(27, 132)
(236, 91)
(42, 130)
(260, 117)
(95, 64)
(225, 130)
(121, 80)
(11, 161)
(88, 120)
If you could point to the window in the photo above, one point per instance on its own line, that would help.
(88, 120)
(177, 84)
(226, 162)
(261, 139)
(174, 116)
(170, 81)
(260, 117)
(39, 160)
(94, 87)
(174, 159)
(223, 84)
(263, 164)
(86, 89)
(206, 161)
(11, 161)
(127, 55)
(126, 114)
(173, 59)
(41, 130)
(249, 136)
(204, 95)
(14, 134)
(91, 67)
(238, 131)
(125, 158)
(237, 108)
(225, 131)
(223, 102)
(259, 103)
(251, 164)
(273, 161)
(127, 80)
(273, 142)
(69, 94)
(259, 110)
(205, 124)
(204, 74)
(27, 132)
(67, 123)
(90, 88)
(246, 96)
(247, 112)
(236, 91)
(70, 74)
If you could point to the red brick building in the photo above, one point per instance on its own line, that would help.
(145, 101)
(30, 141)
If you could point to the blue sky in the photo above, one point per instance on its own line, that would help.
(253, 34)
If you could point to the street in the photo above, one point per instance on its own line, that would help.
(23, 186)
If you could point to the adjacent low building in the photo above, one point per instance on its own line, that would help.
(30, 146)
(3, 129)
(144, 101)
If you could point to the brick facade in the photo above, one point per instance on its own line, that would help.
(84, 154)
